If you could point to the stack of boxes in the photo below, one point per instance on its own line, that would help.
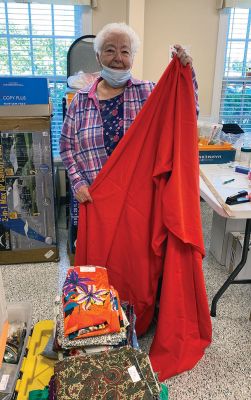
(212, 150)
(27, 215)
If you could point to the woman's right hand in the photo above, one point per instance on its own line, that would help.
(83, 195)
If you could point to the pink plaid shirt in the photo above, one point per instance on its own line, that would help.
(82, 143)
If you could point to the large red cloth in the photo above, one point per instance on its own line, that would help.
(145, 223)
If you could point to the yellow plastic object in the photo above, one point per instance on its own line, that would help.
(69, 97)
(37, 369)
(203, 145)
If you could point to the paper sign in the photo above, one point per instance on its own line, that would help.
(49, 254)
(134, 374)
(87, 269)
(4, 382)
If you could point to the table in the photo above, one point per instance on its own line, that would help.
(215, 192)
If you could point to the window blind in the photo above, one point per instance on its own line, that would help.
(34, 40)
(236, 85)
(233, 4)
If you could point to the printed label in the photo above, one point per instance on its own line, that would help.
(134, 374)
(4, 382)
(87, 269)
(49, 254)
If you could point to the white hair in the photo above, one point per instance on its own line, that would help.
(116, 27)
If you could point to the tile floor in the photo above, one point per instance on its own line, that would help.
(223, 373)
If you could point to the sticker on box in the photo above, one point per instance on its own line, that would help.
(4, 382)
(49, 254)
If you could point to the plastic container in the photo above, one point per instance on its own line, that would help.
(9, 373)
(36, 369)
(245, 155)
(249, 179)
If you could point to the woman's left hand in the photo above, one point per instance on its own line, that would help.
(182, 55)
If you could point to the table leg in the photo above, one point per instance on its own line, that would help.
(236, 271)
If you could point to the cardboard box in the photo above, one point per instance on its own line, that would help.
(234, 253)
(215, 153)
(24, 97)
(27, 216)
(33, 110)
(216, 156)
(219, 235)
(20, 90)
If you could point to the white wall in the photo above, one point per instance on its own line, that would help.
(161, 23)
(188, 22)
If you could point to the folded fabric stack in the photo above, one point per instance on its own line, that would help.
(91, 306)
(96, 343)
(123, 373)
(90, 316)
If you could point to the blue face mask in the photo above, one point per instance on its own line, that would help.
(115, 77)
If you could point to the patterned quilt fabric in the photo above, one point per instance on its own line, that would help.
(91, 305)
(62, 342)
(52, 389)
(120, 374)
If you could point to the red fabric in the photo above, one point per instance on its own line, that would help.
(145, 222)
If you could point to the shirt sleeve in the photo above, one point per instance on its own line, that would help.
(195, 86)
(69, 149)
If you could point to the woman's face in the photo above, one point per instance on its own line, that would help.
(116, 52)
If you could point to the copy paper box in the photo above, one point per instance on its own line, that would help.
(216, 154)
(33, 110)
(23, 91)
(24, 97)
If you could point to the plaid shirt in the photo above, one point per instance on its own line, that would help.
(82, 146)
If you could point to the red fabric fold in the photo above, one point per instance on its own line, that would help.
(145, 223)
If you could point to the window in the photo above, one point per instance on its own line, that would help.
(235, 105)
(34, 40)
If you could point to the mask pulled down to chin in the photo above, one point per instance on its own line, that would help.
(115, 77)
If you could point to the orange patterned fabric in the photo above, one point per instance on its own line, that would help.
(91, 306)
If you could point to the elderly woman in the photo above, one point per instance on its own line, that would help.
(100, 114)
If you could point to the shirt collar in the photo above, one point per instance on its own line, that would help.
(91, 89)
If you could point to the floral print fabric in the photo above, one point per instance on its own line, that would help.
(91, 306)
(65, 343)
(112, 114)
